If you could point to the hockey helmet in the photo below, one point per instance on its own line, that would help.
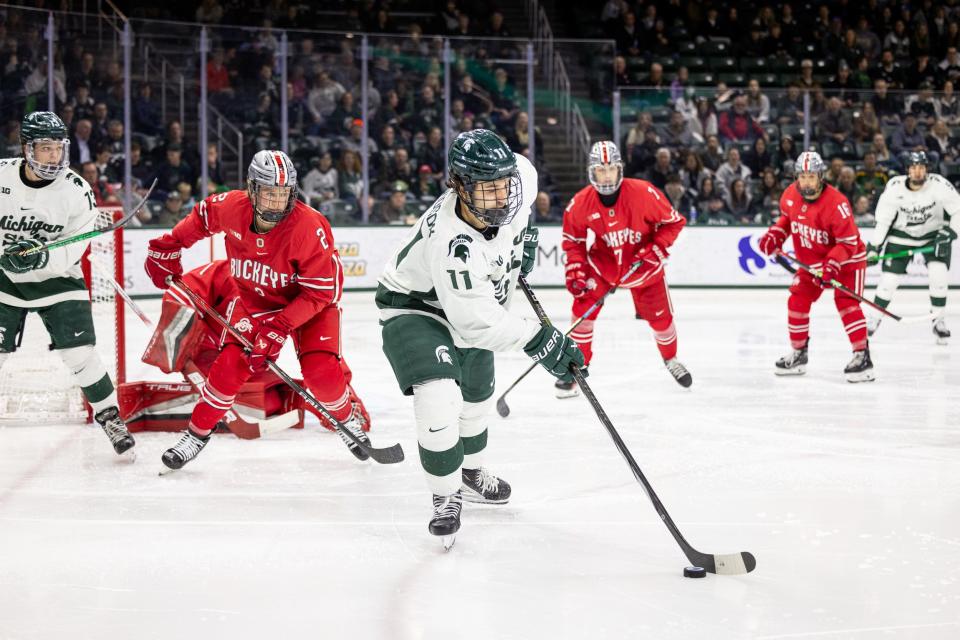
(41, 127)
(810, 162)
(483, 172)
(272, 185)
(917, 178)
(605, 154)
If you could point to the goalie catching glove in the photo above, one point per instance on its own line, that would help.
(12, 261)
(555, 352)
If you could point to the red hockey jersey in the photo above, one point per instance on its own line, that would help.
(822, 229)
(294, 268)
(642, 216)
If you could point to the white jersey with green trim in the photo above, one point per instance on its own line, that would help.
(913, 218)
(58, 209)
(464, 277)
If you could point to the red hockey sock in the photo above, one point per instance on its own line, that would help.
(798, 320)
(665, 333)
(227, 374)
(583, 336)
(325, 380)
(853, 322)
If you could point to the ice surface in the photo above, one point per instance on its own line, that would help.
(849, 496)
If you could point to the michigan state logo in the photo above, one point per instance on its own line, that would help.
(460, 247)
(443, 355)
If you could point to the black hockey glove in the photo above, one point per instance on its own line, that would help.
(12, 261)
(555, 352)
(531, 237)
(941, 244)
(873, 252)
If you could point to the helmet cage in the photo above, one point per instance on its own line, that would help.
(47, 171)
(491, 216)
(604, 153)
(271, 169)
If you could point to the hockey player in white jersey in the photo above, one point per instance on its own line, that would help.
(444, 302)
(920, 210)
(44, 201)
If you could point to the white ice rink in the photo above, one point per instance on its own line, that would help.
(848, 496)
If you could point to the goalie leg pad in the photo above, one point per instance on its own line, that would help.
(437, 406)
(176, 337)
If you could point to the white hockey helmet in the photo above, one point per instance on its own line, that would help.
(605, 154)
(272, 185)
(810, 162)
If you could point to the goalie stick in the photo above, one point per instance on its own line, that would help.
(386, 455)
(502, 407)
(726, 564)
(80, 237)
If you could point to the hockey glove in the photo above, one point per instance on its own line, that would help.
(12, 261)
(267, 343)
(555, 352)
(163, 260)
(578, 279)
(531, 236)
(941, 244)
(772, 240)
(651, 259)
(831, 271)
(873, 253)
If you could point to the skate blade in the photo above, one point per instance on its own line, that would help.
(448, 542)
(796, 371)
(866, 376)
(129, 456)
(563, 394)
(165, 470)
(469, 495)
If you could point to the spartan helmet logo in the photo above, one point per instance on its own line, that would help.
(443, 355)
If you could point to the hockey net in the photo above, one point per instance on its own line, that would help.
(35, 385)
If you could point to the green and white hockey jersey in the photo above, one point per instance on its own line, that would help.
(60, 208)
(913, 218)
(466, 278)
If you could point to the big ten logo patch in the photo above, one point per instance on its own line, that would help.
(351, 268)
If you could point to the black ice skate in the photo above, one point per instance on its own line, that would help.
(354, 424)
(188, 448)
(109, 419)
(679, 372)
(446, 518)
(479, 485)
(860, 368)
(793, 364)
(940, 330)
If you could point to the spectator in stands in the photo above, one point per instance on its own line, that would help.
(428, 112)
(66, 114)
(886, 105)
(350, 178)
(627, 35)
(851, 51)
(102, 193)
(920, 43)
(81, 143)
(842, 85)
(907, 137)
(433, 153)
(655, 78)
(952, 37)
(950, 65)
(344, 115)
(678, 88)
(834, 125)
(731, 170)
(102, 160)
(401, 169)
(35, 83)
(711, 156)
(188, 202)
(321, 184)
(758, 105)
(738, 200)
(101, 117)
(637, 133)
(861, 75)
(395, 210)
(922, 105)
(146, 112)
(897, 42)
(426, 188)
(172, 171)
(790, 105)
(322, 99)
(518, 138)
(387, 114)
(766, 202)
(386, 146)
(704, 121)
(884, 156)
(86, 74)
(871, 178)
(114, 140)
(867, 39)
(504, 99)
(737, 125)
(447, 21)
(866, 124)
(693, 173)
(889, 71)
(947, 104)
(922, 72)
(209, 11)
(832, 175)
(621, 78)
(863, 212)
(662, 168)
(939, 141)
(711, 208)
(682, 201)
(643, 155)
(218, 77)
(544, 210)
(758, 157)
(474, 99)
(214, 167)
(806, 79)
(677, 134)
(354, 141)
(172, 211)
(263, 123)
(713, 26)
(847, 185)
(612, 12)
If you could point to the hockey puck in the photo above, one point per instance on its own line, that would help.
(694, 572)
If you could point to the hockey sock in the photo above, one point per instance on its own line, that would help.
(583, 336)
(473, 431)
(937, 272)
(798, 320)
(853, 322)
(885, 289)
(91, 376)
(437, 406)
(324, 378)
(227, 374)
(665, 333)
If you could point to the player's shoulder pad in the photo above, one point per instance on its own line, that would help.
(71, 177)
(897, 182)
(940, 181)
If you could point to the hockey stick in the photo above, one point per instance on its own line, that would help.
(387, 455)
(726, 564)
(99, 264)
(902, 254)
(502, 407)
(96, 232)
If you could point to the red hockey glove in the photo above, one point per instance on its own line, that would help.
(163, 260)
(579, 280)
(772, 240)
(651, 259)
(267, 343)
(831, 271)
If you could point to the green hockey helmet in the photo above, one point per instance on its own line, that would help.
(483, 172)
(41, 127)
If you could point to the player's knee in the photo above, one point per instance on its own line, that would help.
(939, 279)
(887, 285)
(321, 370)
(474, 417)
(437, 405)
(84, 364)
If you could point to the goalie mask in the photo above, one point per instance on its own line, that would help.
(272, 185)
(809, 169)
(483, 172)
(46, 145)
(605, 167)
